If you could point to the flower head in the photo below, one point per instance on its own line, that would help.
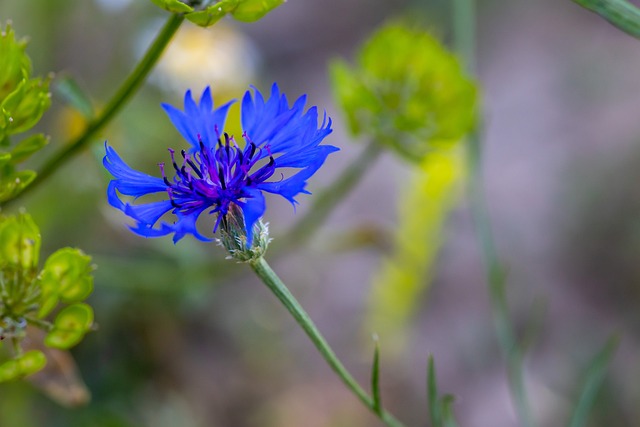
(217, 174)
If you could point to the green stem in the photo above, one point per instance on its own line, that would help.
(464, 14)
(464, 31)
(620, 13)
(279, 289)
(509, 347)
(126, 91)
(325, 201)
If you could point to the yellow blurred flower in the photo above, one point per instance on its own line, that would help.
(219, 56)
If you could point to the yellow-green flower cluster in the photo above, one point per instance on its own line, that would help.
(406, 91)
(29, 296)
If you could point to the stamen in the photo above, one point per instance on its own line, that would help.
(221, 176)
(195, 168)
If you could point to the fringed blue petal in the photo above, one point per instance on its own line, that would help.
(128, 181)
(199, 121)
(290, 187)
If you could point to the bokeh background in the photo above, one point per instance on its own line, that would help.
(186, 341)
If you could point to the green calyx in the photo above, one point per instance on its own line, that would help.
(406, 91)
(233, 237)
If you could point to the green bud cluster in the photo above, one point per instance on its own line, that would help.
(29, 297)
(205, 13)
(407, 92)
(23, 101)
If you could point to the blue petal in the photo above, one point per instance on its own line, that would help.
(183, 226)
(283, 129)
(148, 213)
(199, 121)
(294, 185)
(128, 181)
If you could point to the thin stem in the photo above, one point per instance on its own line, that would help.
(279, 289)
(464, 31)
(114, 105)
(464, 15)
(325, 201)
(510, 349)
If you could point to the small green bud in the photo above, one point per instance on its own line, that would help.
(233, 237)
(70, 326)
(19, 242)
(25, 364)
(14, 63)
(24, 107)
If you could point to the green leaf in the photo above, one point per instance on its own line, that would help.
(447, 411)
(253, 10)
(375, 380)
(435, 413)
(19, 242)
(13, 183)
(14, 63)
(70, 326)
(69, 89)
(25, 148)
(66, 276)
(593, 379)
(5, 158)
(24, 107)
(26, 364)
(621, 13)
(406, 91)
(174, 6)
(213, 13)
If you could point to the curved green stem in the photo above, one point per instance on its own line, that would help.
(509, 347)
(279, 289)
(465, 33)
(619, 13)
(114, 105)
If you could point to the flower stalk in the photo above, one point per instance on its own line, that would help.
(129, 87)
(280, 290)
(465, 33)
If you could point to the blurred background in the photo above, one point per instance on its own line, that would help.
(185, 340)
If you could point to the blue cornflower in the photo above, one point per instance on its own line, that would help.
(216, 174)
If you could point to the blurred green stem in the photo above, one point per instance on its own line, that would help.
(511, 351)
(113, 106)
(280, 290)
(464, 31)
(620, 13)
(464, 17)
(325, 201)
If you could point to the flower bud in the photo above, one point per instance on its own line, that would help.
(233, 237)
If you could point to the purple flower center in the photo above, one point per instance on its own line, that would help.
(216, 176)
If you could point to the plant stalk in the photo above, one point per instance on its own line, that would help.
(280, 290)
(126, 91)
